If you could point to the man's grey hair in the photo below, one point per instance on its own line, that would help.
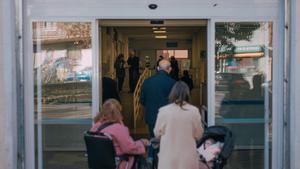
(164, 65)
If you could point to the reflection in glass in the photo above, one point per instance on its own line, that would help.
(62, 75)
(243, 88)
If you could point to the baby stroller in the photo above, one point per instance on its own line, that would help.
(224, 137)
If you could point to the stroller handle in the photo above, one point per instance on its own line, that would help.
(154, 142)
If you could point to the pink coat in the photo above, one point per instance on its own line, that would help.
(123, 142)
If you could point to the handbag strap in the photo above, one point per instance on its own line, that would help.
(104, 125)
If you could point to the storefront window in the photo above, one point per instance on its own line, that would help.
(243, 89)
(62, 92)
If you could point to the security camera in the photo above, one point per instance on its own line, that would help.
(152, 6)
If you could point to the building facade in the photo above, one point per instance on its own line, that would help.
(23, 79)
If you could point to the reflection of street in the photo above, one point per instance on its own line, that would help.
(218, 101)
(67, 111)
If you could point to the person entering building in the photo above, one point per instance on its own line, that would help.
(178, 126)
(123, 142)
(154, 94)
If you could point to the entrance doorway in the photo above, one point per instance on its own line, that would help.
(186, 40)
(238, 69)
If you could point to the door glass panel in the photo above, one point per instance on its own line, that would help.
(243, 89)
(62, 92)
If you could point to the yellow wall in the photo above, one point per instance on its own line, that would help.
(110, 48)
(199, 64)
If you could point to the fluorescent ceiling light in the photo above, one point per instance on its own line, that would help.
(159, 28)
(159, 31)
(161, 37)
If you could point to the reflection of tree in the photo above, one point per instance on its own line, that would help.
(229, 32)
(50, 67)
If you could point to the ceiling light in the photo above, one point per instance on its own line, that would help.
(159, 31)
(162, 28)
(161, 37)
(155, 28)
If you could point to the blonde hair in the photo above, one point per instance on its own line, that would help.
(110, 112)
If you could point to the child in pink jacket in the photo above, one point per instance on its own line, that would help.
(123, 142)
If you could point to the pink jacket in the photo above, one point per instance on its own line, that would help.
(123, 142)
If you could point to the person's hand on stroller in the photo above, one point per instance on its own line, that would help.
(145, 141)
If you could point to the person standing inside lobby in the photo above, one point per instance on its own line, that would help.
(154, 94)
(120, 70)
(134, 67)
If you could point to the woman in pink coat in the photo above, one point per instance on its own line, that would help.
(123, 142)
(179, 126)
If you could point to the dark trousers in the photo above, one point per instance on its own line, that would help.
(151, 152)
(133, 79)
(120, 82)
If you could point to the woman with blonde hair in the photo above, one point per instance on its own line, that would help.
(178, 126)
(123, 142)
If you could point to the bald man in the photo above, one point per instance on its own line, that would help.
(154, 94)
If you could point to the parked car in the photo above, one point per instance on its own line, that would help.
(224, 81)
(79, 76)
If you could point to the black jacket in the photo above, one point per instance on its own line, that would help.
(154, 94)
(109, 91)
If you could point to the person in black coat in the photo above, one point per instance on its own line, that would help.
(120, 70)
(160, 58)
(134, 67)
(175, 69)
(154, 94)
(109, 89)
(187, 79)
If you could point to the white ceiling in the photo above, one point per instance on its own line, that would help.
(147, 32)
(142, 29)
(146, 23)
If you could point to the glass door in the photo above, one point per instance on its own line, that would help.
(241, 90)
(64, 75)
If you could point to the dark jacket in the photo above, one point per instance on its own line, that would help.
(109, 91)
(133, 62)
(154, 94)
(119, 66)
(188, 80)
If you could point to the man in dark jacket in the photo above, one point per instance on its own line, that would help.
(120, 70)
(154, 94)
(175, 69)
(134, 67)
(187, 79)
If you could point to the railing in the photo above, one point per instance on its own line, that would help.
(137, 93)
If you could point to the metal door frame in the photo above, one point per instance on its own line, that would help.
(277, 133)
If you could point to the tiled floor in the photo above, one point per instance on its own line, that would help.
(242, 159)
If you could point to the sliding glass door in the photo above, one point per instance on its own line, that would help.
(241, 89)
(63, 75)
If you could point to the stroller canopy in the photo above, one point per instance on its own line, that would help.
(222, 134)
